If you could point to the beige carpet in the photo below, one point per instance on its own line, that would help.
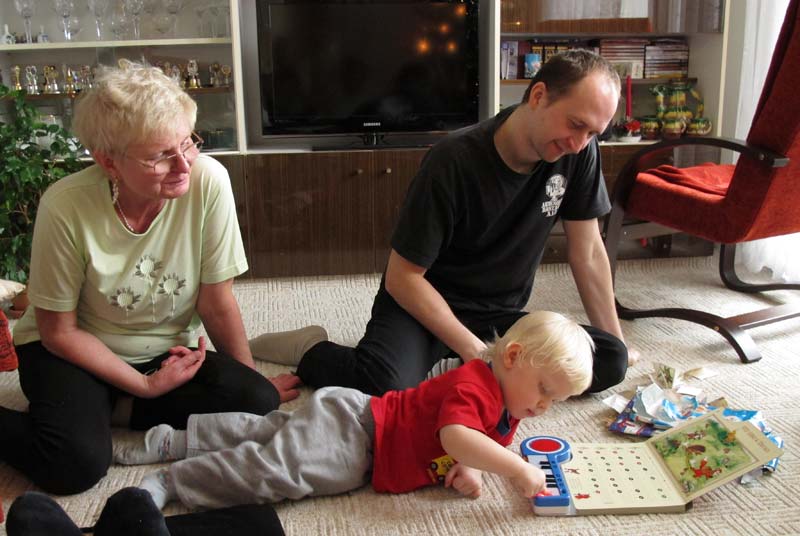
(772, 506)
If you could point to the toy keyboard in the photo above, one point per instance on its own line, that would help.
(548, 453)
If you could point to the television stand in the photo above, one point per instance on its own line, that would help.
(372, 139)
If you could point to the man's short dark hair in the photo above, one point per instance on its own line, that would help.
(563, 71)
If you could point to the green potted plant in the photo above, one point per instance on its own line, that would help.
(33, 155)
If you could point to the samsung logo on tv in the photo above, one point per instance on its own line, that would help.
(372, 124)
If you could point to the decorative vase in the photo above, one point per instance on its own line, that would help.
(651, 127)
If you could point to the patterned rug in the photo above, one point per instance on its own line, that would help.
(342, 304)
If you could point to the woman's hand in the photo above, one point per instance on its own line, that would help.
(177, 369)
(287, 385)
(466, 480)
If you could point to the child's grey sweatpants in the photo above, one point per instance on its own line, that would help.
(322, 448)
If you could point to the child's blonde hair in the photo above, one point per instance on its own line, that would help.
(552, 342)
(130, 104)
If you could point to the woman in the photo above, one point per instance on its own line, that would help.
(129, 256)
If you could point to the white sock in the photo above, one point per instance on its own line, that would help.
(160, 486)
(444, 365)
(161, 443)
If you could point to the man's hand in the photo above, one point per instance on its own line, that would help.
(287, 385)
(177, 369)
(529, 480)
(466, 480)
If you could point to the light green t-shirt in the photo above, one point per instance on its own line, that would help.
(136, 293)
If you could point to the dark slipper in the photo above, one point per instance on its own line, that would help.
(131, 512)
(36, 514)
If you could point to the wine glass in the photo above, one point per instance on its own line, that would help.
(134, 8)
(173, 7)
(64, 10)
(26, 8)
(120, 23)
(163, 23)
(98, 9)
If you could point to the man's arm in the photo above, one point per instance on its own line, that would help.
(588, 261)
(479, 451)
(219, 311)
(406, 283)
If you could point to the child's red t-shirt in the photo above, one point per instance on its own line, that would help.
(407, 424)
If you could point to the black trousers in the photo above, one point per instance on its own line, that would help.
(63, 442)
(397, 352)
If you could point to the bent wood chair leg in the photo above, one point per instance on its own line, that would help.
(727, 272)
(738, 338)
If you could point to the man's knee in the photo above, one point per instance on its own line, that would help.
(610, 360)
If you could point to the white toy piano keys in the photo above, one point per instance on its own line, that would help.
(663, 474)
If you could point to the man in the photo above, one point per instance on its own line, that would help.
(473, 229)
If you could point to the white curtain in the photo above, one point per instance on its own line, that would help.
(780, 255)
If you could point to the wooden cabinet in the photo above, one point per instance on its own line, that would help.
(613, 158)
(323, 212)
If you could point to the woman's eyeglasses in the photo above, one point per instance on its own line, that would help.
(188, 150)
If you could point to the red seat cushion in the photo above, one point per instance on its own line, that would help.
(709, 178)
(691, 200)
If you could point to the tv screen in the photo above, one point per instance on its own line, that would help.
(338, 66)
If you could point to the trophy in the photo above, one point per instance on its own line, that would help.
(194, 78)
(69, 80)
(214, 77)
(226, 75)
(31, 80)
(87, 81)
(17, 84)
(50, 75)
(175, 74)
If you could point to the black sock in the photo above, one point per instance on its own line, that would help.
(131, 512)
(36, 514)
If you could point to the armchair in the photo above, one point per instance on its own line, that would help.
(758, 197)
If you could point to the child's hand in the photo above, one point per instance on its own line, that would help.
(529, 480)
(466, 480)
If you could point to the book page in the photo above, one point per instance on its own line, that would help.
(607, 478)
(707, 452)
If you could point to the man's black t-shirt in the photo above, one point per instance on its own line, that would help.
(479, 228)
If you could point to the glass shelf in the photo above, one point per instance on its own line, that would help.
(23, 47)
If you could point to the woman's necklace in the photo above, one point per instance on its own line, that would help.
(125, 222)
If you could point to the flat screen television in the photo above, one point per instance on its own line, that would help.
(348, 67)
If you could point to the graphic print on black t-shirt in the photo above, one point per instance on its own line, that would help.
(556, 187)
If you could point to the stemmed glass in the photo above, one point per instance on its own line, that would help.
(173, 7)
(64, 10)
(26, 9)
(134, 8)
(99, 9)
(120, 23)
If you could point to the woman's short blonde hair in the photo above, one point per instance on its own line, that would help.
(130, 104)
(552, 342)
